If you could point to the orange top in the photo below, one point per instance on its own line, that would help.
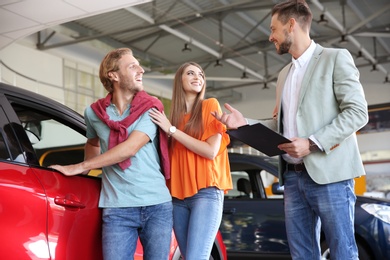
(191, 172)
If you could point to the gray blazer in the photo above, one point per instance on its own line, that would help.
(332, 107)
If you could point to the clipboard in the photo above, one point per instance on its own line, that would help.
(260, 137)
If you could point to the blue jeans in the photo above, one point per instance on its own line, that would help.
(309, 207)
(196, 221)
(123, 226)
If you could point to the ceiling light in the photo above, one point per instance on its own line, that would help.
(244, 76)
(218, 64)
(265, 86)
(322, 20)
(343, 40)
(386, 80)
(186, 48)
(359, 56)
(374, 67)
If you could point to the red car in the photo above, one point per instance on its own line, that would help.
(44, 214)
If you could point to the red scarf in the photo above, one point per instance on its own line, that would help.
(141, 103)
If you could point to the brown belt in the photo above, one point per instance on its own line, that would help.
(296, 167)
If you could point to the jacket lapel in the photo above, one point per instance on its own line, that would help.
(309, 72)
(279, 92)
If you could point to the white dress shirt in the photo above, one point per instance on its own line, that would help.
(290, 96)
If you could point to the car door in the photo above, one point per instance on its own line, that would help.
(253, 226)
(23, 204)
(73, 219)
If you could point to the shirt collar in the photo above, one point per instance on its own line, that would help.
(305, 57)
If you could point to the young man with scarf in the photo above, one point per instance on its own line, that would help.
(132, 152)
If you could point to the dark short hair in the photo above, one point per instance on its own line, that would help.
(297, 9)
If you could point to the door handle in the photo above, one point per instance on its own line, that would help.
(70, 201)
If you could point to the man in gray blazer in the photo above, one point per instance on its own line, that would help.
(320, 105)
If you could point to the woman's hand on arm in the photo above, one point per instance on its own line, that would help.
(160, 119)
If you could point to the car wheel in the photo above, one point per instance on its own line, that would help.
(363, 252)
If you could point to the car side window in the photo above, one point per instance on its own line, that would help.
(53, 141)
(241, 185)
(56, 143)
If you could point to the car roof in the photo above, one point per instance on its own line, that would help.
(38, 101)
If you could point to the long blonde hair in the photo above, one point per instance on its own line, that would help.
(194, 126)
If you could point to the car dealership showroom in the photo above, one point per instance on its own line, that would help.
(50, 53)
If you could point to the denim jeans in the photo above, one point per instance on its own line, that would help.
(196, 221)
(309, 207)
(123, 226)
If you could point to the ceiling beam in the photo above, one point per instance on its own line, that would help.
(193, 41)
(368, 19)
(352, 39)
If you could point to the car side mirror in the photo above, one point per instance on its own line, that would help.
(277, 189)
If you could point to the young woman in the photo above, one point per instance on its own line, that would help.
(200, 172)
